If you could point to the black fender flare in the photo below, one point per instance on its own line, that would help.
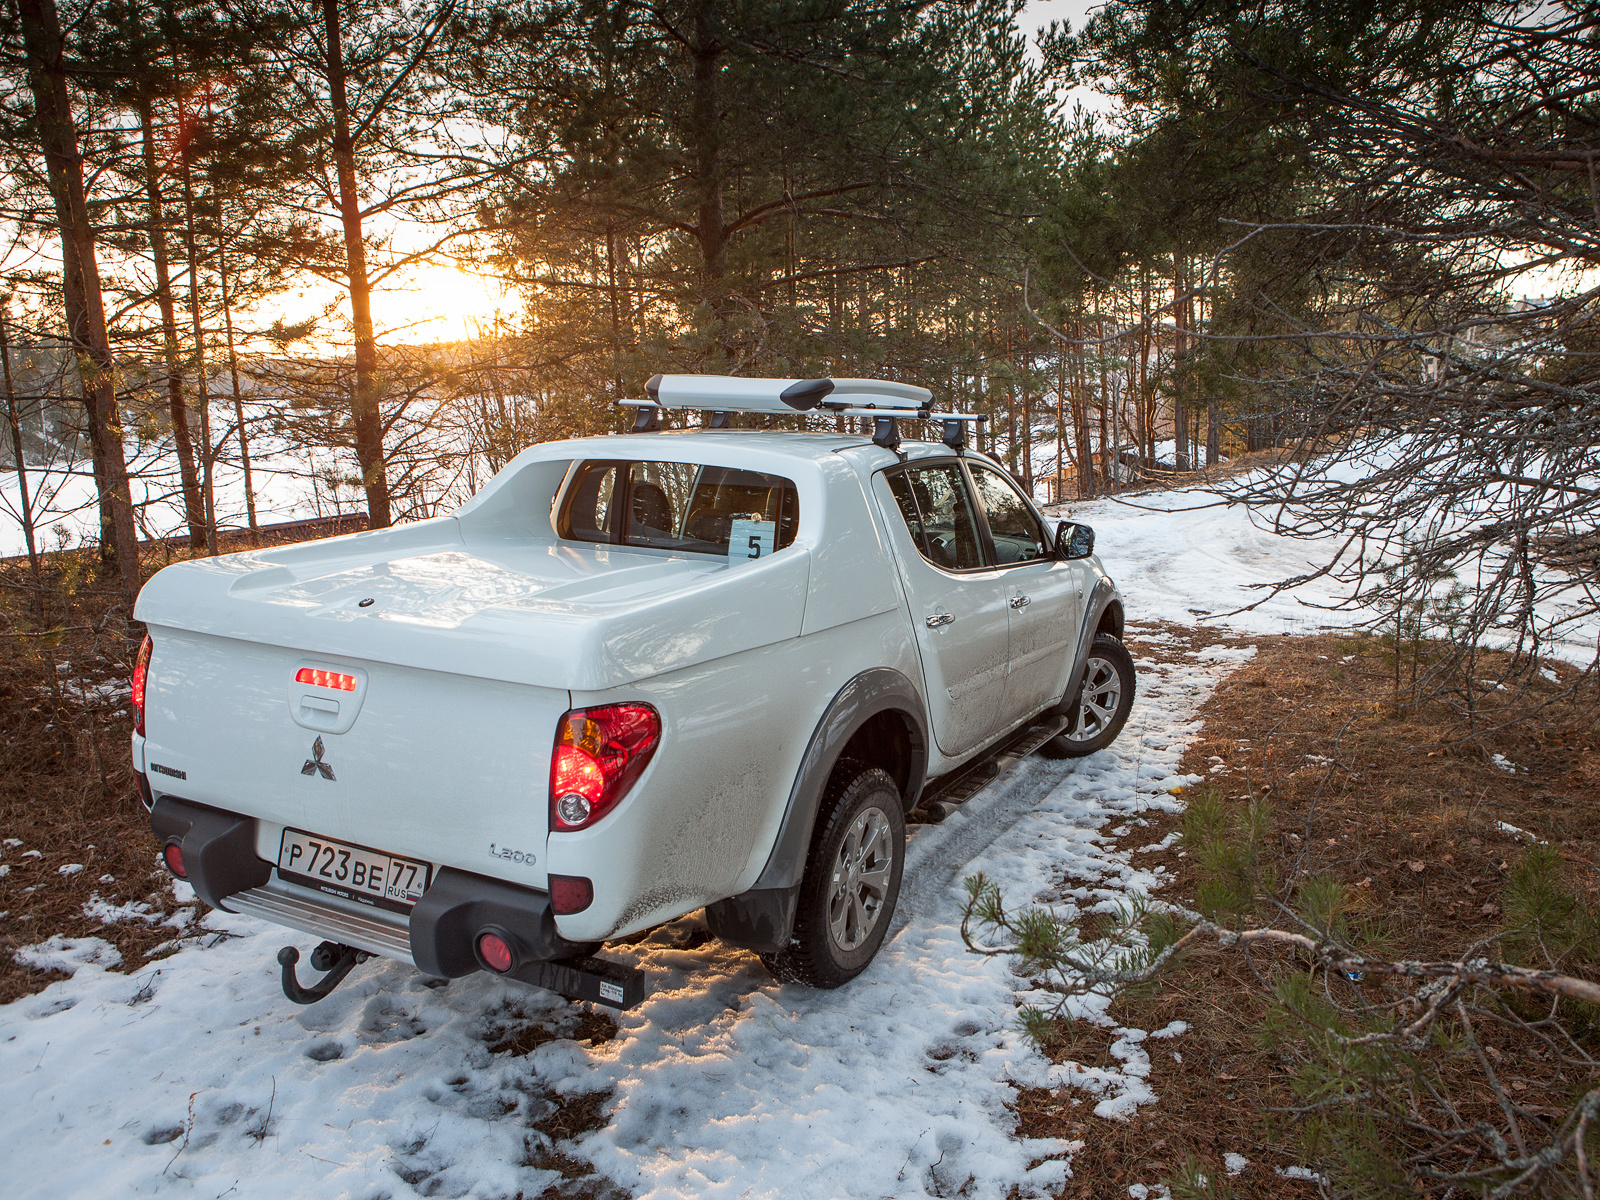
(761, 918)
(1102, 599)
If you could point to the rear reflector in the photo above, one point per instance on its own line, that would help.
(494, 952)
(570, 894)
(326, 679)
(172, 855)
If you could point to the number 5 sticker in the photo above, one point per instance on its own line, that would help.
(750, 539)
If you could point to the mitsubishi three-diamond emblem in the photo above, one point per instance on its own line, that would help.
(314, 764)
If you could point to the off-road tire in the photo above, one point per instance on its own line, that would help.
(815, 955)
(1106, 654)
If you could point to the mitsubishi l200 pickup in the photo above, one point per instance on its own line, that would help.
(635, 676)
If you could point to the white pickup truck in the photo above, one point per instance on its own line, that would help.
(635, 676)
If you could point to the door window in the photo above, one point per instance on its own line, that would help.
(934, 502)
(1019, 535)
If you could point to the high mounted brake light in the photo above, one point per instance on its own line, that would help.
(141, 677)
(599, 752)
(326, 679)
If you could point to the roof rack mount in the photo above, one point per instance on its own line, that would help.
(886, 402)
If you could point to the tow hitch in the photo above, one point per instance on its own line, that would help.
(336, 960)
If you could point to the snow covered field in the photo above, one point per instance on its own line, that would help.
(195, 1076)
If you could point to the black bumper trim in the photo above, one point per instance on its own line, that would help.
(447, 920)
(219, 848)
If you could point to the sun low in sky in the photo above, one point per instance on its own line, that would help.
(440, 302)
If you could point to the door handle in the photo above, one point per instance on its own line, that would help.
(1020, 602)
(939, 619)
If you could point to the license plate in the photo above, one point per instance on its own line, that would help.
(353, 872)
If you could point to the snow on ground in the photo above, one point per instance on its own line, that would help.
(1173, 551)
(195, 1077)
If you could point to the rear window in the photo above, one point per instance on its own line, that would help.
(680, 506)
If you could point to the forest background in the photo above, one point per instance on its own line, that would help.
(1345, 232)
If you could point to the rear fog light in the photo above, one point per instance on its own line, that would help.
(172, 855)
(494, 952)
(570, 894)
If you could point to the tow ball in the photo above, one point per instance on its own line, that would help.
(335, 959)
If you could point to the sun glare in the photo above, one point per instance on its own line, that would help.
(437, 303)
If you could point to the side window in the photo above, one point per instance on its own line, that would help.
(938, 512)
(1018, 534)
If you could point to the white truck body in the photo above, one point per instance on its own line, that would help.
(469, 637)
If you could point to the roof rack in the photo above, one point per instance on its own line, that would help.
(886, 402)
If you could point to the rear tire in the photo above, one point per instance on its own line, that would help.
(851, 884)
(1102, 705)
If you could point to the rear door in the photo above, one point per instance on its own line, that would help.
(1044, 593)
(959, 603)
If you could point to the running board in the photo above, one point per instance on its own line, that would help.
(949, 792)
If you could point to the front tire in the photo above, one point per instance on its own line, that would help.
(851, 884)
(1102, 705)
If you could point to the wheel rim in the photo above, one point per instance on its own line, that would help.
(1097, 703)
(860, 884)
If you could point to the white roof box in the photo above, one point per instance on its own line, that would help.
(727, 393)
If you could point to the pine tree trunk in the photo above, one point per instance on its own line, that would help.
(14, 420)
(85, 307)
(208, 495)
(711, 227)
(1180, 366)
(233, 367)
(193, 509)
(1061, 421)
(1080, 416)
(366, 414)
(1147, 406)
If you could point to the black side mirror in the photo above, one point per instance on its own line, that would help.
(1074, 540)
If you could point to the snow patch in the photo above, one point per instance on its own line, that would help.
(61, 953)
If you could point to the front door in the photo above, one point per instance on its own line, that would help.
(959, 605)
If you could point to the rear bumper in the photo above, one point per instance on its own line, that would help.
(438, 935)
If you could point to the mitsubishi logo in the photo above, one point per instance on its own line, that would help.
(314, 764)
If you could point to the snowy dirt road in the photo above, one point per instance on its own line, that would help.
(195, 1077)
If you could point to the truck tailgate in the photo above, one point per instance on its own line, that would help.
(446, 768)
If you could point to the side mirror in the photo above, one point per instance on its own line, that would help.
(1074, 540)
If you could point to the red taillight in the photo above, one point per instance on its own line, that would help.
(570, 894)
(599, 752)
(141, 676)
(326, 679)
(494, 952)
(172, 855)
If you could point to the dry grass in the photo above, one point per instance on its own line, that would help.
(1390, 802)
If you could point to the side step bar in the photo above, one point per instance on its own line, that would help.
(950, 792)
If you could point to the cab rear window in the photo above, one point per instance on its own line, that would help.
(680, 506)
